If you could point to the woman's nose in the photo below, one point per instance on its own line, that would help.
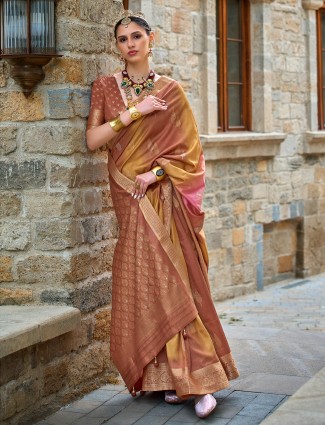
(130, 42)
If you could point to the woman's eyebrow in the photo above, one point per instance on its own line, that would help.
(132, 33)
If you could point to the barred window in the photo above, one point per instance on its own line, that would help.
(233, 62)
(321, 66)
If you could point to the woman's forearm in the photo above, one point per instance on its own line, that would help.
(99, 136)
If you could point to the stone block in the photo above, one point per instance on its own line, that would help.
(237, 255)
(55, 376)
(43, 268)
(29, 174)
(321, 206)
(15, 107)
(69, 8)
(88, 364)
(95, 12)
(13, 296)
(81, 102)
(260, 191)
(261, 166)
(47, 205)
(13, 366)
(77, 37)
(311, 206)
(245, 193)
(19, 395)
(239, 207)
(4, 73)
(54, 140)
(99, 228)
(10, 204)
(102, 258)
(8, 142)
(65, 103)
(60, 103)
(6, 269)
(102, 325)
(64, 175)
(92, 294)
(320, 174)
(67, 343)
(237, 275)
(55, 296)
(64, 70)
(93, 172)
(57, 234)
(180, 23)
(15, 236)
(191, 5)
(238, 236)
(81, 266)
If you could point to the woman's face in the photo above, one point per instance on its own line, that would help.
(133, 42)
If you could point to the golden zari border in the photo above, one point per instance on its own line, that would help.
(152, 218)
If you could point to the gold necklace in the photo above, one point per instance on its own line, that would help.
(146, 84)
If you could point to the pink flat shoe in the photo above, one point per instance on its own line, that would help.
(172, 398)
(204, 405)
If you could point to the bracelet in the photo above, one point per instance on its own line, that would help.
(116, 124)
(134, 113)
(159, 173)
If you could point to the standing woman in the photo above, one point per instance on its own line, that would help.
(165, 332)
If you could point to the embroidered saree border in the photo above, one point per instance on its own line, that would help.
(152, 218)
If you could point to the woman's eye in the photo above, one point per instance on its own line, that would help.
(122, 40)
(138, 36)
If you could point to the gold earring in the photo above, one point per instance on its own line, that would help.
(150, 49)
(122, 60)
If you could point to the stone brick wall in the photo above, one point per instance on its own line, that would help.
(250, 192)
(57, 225)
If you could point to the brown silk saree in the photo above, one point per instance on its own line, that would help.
(165, 332)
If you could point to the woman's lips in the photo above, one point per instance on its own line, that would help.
(132, 52)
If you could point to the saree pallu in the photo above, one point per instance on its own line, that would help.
(165, 332)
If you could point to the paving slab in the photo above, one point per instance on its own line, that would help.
(277, 337)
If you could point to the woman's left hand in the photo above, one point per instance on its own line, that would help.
(142, 181)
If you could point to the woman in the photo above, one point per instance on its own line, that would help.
(165, 333)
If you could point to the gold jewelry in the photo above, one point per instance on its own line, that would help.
(150, 49)
(146, 84)
(116, 124)
(134, 113)
(125, 20)
(159, 173)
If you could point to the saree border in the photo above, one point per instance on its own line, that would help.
(152, 218)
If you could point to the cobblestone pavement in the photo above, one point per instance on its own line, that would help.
(278, 340)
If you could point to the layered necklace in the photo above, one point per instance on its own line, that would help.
(146, 85)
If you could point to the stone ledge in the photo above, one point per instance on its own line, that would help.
(236, 145)
(314, 142)
(23, 326)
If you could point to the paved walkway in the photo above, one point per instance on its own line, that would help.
(278, 339)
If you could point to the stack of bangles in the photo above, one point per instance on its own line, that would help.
(117, 124)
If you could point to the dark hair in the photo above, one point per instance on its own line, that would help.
(140, 21)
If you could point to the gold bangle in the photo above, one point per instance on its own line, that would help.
(159, 173)
(134, 113)
(116, 124)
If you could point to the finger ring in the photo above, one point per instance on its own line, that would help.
(137, 185)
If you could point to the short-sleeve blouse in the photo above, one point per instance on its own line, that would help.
(106, 101)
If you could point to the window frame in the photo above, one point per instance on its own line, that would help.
(320, 70)
(222, 92)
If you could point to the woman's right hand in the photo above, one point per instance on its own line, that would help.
(150, 104)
